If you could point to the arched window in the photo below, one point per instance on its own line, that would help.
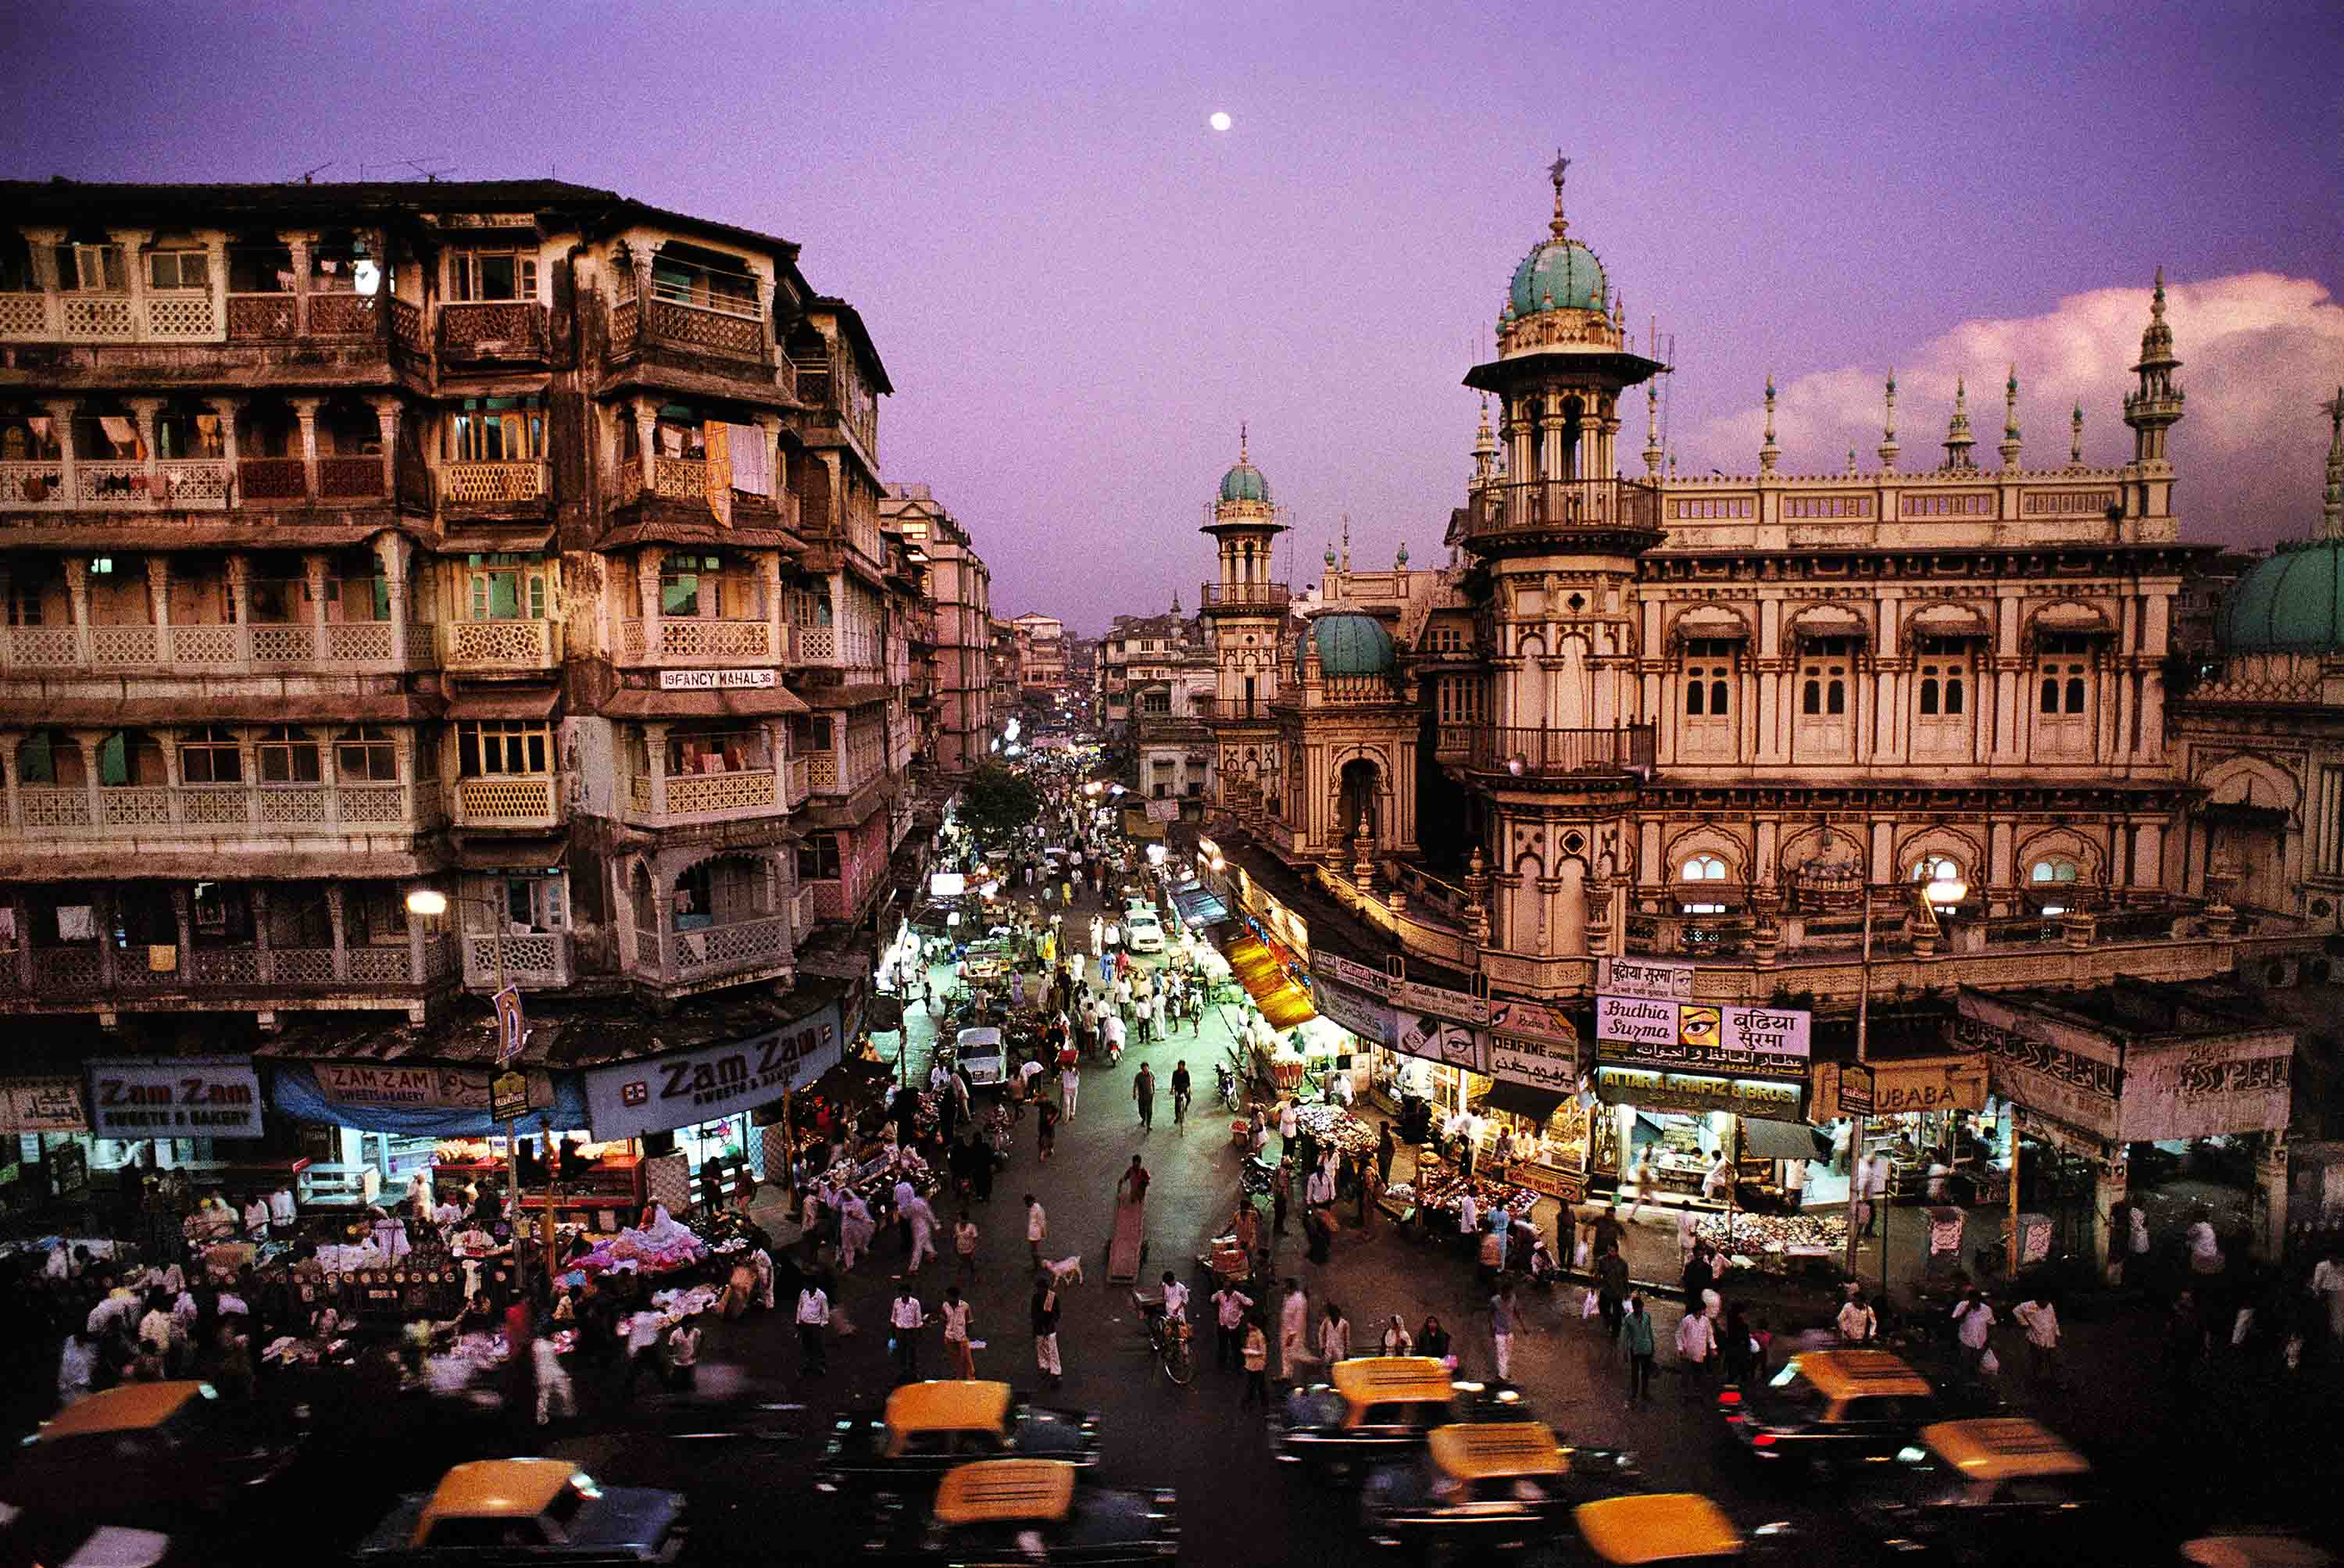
(210, 756)
(1717, 698)
(1703, 868)
(1812, 701)
(1694, 695)
(1929, 695)
(1936, 868)
(1953, 693)
(2058, 869)
(2050, 694)
(1835, 698)
(2075, 694)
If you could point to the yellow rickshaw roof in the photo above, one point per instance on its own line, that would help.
(495, 1489)
(953, 1404)
(1656, 1527)
(1842, 1374)
(994, 1491)
(132, 1407)
(1486, 1448)
(1376, 1379)
(2001, 1448)
(2254, 1552)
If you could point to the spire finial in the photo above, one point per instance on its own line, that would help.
(1652, 453)
(1888, 449)
(1241, 441)
(2010, 445)
(2331, 513)
(1347, 541)
(1769, 453)
(1851, 460)
(2156, 297)
(1555, 171)
(1959, 440)
(2075, 436)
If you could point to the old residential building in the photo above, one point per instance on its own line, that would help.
(958, 591)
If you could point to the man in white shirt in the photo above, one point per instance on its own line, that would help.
(1319, 1191)
(813, 1316)
(1469, 1215)
(1229, 1306)
(643, 1351)
(1720, 1179)
(280, 1209)
(256, 1218)
(1293, 1326)
(1115, 1036)
(1037, 1228)
(906, 1318)
(1794, 1183)
(1974, 1316)
(1176, 1299)
(2038, 1315)
(1069, 1081)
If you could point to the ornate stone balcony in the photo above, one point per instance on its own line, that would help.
(683, 642)
(79, 827)
(508, 801)
(1563, 507)
(342, 647)
(833, 648)
(1546, 753)
(534, 960)
(744, 950)
(92, 977)
(1236, 595)
(499, 646)
(668, 800)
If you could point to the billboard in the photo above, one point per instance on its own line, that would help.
(659, 1094)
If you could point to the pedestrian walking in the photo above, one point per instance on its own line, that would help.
(965, 1246)
(1385, 1150)
(1180, 1086)
(1858, 1323)
(814, 1317)
(1037, 1228)
(1612, 1289)
(1334, 1335)
(1046, 1327)
(905, 1318)
(2038, 1316)
(1257, 1363)
(1696, 1348)
(1046, 1126)
(1143, 1094)
(958, 1350)
(643, 1352)
(1230, 1306)
(1637, 1331)
(1974, 1325)
(1501, 1331)
(923, 1221)
(1070, 1083)
(1293, 1327)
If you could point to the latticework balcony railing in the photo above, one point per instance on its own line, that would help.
(1543, 506)
(354, 645)
(524, 800)
(1524, 752)
(500, 645)
(1220, 595)
(491, 483)
(491, 330)
(202, 810)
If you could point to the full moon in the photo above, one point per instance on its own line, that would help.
(1220, 120)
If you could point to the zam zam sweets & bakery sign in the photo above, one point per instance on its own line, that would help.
(174, 1097)
(628, 1100)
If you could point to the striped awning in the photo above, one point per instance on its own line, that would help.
(1281, 1001)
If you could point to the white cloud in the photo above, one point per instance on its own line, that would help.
(2259, 352)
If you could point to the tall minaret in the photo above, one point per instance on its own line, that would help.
(1485, 452)
(1245, 612)
(1769, 454)
(1958, 440)
(1652, 453)
(2156, 407)
(1888, 449)
(2331, 509)
(2009, 447)
(2075, 436)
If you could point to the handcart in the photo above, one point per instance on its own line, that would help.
(1128, 1249)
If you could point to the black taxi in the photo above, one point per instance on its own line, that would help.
(1370, 1408)
(1478, 1488)
(1027, 1512)
(1998, 1489)
(926, 1428)
(1828, 1410)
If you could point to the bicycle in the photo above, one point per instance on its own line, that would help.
(1167, 1341)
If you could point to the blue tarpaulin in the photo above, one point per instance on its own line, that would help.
(294, 1091)
(1197, 905)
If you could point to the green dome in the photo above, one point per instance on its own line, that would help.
(1560, 275)
(2291, 603)
(1244, 482)
(1347, 645)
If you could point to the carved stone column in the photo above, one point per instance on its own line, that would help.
(391, 550)
(134, 274)
(305, 409)
(647, 599)
(239, 597)
(158, 601)
(90, 741)
(385, 413)
(655, 755)
(144, 412)
(313, 575)
(77, 591)
(228, 409)
(416, 938)
(646, 411)
(61, 411)
(298, 242)
(264, 956)
(341, 941)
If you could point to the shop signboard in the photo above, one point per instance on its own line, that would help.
(1518, 1062)
(1899, 1088)
(1359, 976)
(509, 1096)
(1778, 1099)
(715, 680)
(48, 1104)
(2206, 1088)
(175, 1097)
(627, 1100)
(1440, 1040)
(1442, 1003)
(373, 1084)
(2074, 1082)
(1563, 1186)
(1701, 1034)
(1539, 1021)
(1646, 977)
(1368, 1016)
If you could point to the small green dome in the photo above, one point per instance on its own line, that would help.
(1244, 482)
(1347, 645)
(2291, 603)
(1560, 275)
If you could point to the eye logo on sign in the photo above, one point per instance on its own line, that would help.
(639, 1092)
(1698, 1026)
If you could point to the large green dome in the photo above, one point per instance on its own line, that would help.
(1244, 482)
(2291, 603)
(1347, 645)
(1560, 275)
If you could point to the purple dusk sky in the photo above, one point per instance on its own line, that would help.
(1080, 289)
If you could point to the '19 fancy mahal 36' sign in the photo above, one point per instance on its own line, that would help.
(659, 1094)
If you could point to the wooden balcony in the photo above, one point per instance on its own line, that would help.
(730, 340)
(685, 642)
(797, 782)
(1546, 753)
(534, 960)
(1564, 507)
(338, 647)
(493, 486)
(833, 648)
(89, 977)
(707, 955)
(508, 801)
(499, 646)
(492, 332)
(679, 798)
(53, 814)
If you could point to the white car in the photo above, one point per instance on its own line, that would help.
(1142, 932)
(980, 1058)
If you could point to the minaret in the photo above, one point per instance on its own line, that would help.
(2009, 447)
(2075, 436)
(1850, 460)
(1888, 449)
(1347, 541)
(1958, 440)
(1652, 453)
(1243, 612)
(2156, 407)
(1485, 452)
(2331, 511)
(1769, 454)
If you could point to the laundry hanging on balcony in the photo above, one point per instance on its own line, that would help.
(751, 473)
(717, 456)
